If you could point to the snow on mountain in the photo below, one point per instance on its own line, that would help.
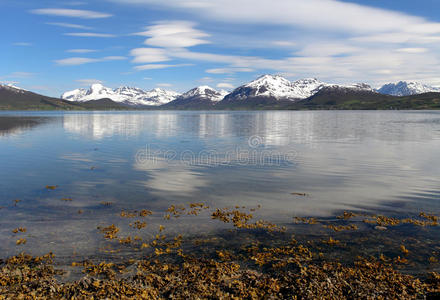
(205, 92)
(279, 88)
(356, 87)
(127, 95)
(304, 88)
(404, 88)
(12, 87)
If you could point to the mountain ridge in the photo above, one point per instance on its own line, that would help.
(405, 88)
(265, 92)
(124, 94)
(202, 97)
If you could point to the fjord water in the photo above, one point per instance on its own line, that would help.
(104, 162)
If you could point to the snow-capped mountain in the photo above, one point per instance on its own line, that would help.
(205, 92)
(126, 95)
(404, 88)
(11, 87)
(202, 97)
(272, 88)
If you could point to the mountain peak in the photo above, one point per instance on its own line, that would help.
(96, 86)
(12, 87)
(205, 91)
(276, 86)
(405, 88)
(123, 94)
(269, 80)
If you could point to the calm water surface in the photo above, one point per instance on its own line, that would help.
(368, 161)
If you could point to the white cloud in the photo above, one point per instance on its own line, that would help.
(327, 49)
(225, 85)
(91, 34)
(81, 50)
(75, 3)
(228, 70)
(314, 14)
(398, 38)
(206, 79)
(174, 34)
(149, 55)
(334, 40)
(159, 66)
(412, 50)
(75, 61)
(22, 44)
(164, 84)
(20, 75)
(284, 43)
(88, 82)
(113, 58)
(74, 13)
(69, 25)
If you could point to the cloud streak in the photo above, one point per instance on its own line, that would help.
(88, 82)
(69, 25)
(159, 66)
(81, 50)
(90, 34)
(22, 44)
(149, 55)
(76, 61)
(73, 13)
(313, 14)
(174, 34)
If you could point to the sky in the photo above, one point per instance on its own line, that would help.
(54, 46)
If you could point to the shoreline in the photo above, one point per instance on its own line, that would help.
(310, 257)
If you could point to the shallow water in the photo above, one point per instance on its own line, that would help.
(378, 162)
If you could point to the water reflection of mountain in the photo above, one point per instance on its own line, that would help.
(16, 125)
(277, 128)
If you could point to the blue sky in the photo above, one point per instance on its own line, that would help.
(53, 46)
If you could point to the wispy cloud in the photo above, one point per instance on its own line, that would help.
(159, 66)
(289, 44)
(206, 79)
(328, 15)
(69, 25)
(149, 55)
(74, 13)
(228, 70)
(88, 82)
(81, 50)
(76, 61)
(412, 50)
(174, 34)
(90, 34)
(224, 85)
(21, 75)
(22, 44)
(164, 85)
(75, 3)
(330, 39)
(16, 75)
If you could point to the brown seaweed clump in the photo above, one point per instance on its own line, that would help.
(263, 261)
(26, 277)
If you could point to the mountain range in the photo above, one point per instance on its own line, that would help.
(266, 92)
(126, 95)
(404, 88)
